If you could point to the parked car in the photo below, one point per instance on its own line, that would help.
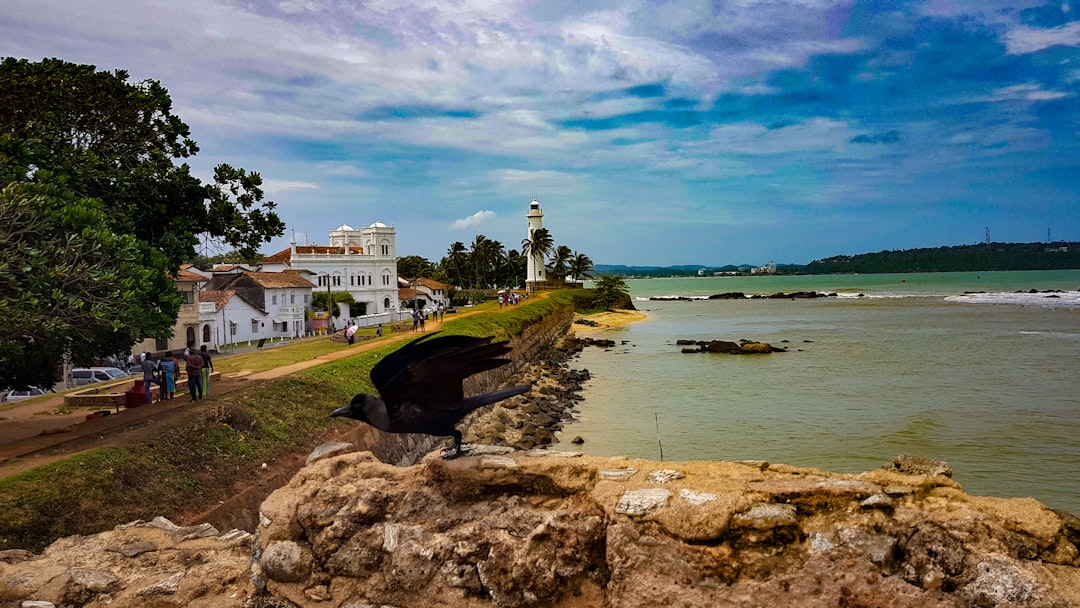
(88, 375)
(33, 391)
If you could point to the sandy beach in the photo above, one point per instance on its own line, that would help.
(606, 321)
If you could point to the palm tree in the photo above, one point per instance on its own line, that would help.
(538, 246)
(514, 271)
(559, 261)
(495, 255)
(456, 255)
(478, 257)
(581, 267)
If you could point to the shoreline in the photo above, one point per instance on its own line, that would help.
(606, 321)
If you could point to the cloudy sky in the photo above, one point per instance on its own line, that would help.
(678, 132)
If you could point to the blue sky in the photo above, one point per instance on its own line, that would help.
(681, 132)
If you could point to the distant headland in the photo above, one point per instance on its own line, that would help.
(982, 257)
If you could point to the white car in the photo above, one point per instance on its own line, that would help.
(33, 391)
(88, 375)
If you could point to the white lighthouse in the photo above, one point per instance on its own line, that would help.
(536, 272)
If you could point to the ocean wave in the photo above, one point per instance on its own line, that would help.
(671, 298)
(1042, 299)
(856, 295)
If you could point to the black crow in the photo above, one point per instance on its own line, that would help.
(420, 386)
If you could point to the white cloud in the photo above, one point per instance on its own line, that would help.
(1027, 39)
(1026, 92)
(757, 139)
(274, 186)
(473, 220)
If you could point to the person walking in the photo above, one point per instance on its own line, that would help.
(194, 370)
(168, 375)
(208, 366)
(150, 378)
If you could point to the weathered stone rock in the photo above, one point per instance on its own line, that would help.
(329, 449)
(640, 502)
(349, 531)
(286, 562)
(917, 465)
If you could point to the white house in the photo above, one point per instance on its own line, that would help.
(361, 262)
(256, 305)
(432, 292)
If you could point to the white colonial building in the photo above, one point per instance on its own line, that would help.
(362, 262)
(247, 306)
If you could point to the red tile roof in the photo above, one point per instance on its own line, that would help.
(285, 256)
(431, 284)
(280, 279)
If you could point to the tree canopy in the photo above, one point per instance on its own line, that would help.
(100, 154)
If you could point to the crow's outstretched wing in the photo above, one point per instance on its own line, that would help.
(427, 373)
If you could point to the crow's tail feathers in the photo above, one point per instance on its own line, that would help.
(488, 398)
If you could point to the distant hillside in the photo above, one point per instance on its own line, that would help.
(646, 271)
(981, 257)
(689, 270)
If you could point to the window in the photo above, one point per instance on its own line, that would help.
(385, 279)
(386, 250)
(206, 334)
(386, 303)
(292, 298)
(273, 300)
(232, 328)
(189, 297)
(337, 280)
(254, 326)
(306, 296)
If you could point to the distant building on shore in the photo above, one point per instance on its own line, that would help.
(536, 273)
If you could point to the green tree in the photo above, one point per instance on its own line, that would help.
(560, 262)
(612, 292)
(456, 257)
(513, 271)
(581, 266)
(319, 301)
(414, 267)
(83, 136)
(99, 136)
(71, 285)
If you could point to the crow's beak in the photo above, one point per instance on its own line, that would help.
(341, 411)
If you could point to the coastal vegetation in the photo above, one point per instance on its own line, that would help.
(199, 460)
(983, 257)
(487, 264)
(97, 214)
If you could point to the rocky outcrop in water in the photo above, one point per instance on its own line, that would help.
(518, 529)
(742, 347)
(738, 295)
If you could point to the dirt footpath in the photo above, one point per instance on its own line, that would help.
(39, 433)
(34, 435)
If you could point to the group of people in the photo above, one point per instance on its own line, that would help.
(165, 373)
(419, 315)
(508, 299)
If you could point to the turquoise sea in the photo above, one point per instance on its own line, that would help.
(896, 364)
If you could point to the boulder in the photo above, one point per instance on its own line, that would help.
(510, 529)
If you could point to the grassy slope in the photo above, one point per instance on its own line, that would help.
(199, 460)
